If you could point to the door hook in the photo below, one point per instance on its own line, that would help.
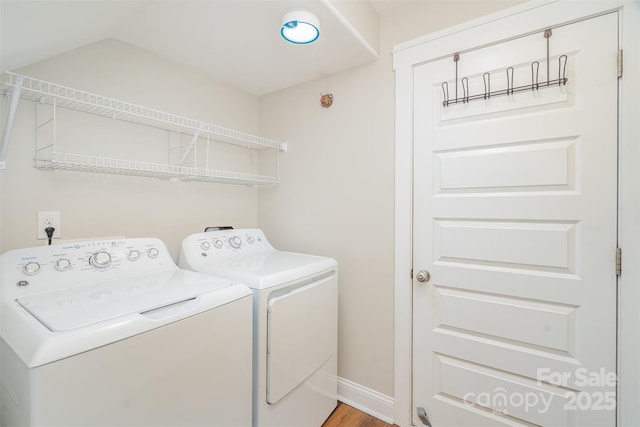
(562, 65)
(445, 93)
(535, 66)
(465, 89)
(486, 77)
(510, 80)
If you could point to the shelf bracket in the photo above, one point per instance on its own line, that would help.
(15, 97)
(190, 147)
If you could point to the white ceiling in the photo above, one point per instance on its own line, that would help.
(235, 41)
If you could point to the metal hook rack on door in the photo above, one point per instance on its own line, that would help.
(510, 90)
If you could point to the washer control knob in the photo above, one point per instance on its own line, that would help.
(251, 239)
(100, 259)
(235, 242)
(153, 252)
(63, 264)
(217, 243)
(133, 255)
(205, 245)
(31, 268)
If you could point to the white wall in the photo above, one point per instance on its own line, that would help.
(336, 196)
(97, 205)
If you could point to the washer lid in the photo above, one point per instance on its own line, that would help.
(74, 308)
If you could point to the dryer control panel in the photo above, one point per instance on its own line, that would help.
(226, 242)
(204, 248)
(46, 268)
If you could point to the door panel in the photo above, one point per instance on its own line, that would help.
(301, 334)
(515, 218)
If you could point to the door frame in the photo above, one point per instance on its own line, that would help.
(529, 17)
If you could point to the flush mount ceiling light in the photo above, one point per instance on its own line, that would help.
(300, 27)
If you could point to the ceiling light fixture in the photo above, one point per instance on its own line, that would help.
(300, 27)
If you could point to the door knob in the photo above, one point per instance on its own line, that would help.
(423, 276)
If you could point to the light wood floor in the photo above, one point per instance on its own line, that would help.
(347, 416)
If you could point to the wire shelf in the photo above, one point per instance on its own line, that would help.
(211, 175)
(74, 99)
(191, 164)
(86, 163)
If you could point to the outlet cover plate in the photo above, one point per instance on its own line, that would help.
(48, 219)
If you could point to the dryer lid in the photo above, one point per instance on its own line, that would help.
(268, 268)
(73, 308)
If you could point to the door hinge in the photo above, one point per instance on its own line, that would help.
(618, 262)
(619, 63)
(411, 274)
(422, 414)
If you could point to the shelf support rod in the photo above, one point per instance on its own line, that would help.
(547, 35)
(15, 97)
(190, 147)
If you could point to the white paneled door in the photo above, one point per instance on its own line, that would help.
(515, 220)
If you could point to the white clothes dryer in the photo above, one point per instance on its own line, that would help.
(295, 322)
(113, 333)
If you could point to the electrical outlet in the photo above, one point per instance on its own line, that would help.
(48, 219)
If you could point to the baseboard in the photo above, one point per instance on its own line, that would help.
(366, 400)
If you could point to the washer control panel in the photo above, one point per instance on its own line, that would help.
(45, 268)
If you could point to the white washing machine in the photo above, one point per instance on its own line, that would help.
(295, 322)
(113, 333)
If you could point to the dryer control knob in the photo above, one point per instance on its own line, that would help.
(251, 239)
(217, 243)
(235, 242)
(205, 245)
(31, 268)
(100, 259)
(63, 264)
(153, 252)
(133, 255)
